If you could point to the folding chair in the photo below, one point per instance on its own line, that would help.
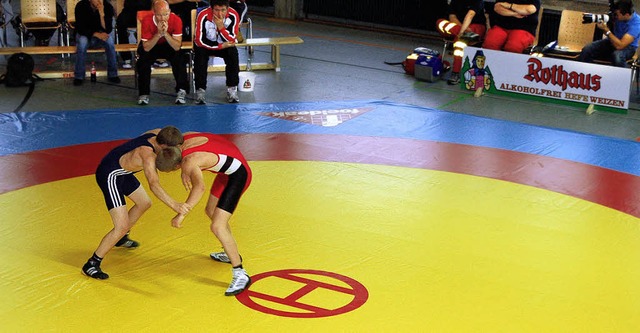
(573, 35)
(38, 14)
(634, 63)
(71, 19)
(4, 20)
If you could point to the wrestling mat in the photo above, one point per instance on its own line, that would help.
(363, 216)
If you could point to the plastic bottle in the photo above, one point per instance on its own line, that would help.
(93, 72)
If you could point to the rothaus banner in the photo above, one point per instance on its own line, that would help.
(561, 79)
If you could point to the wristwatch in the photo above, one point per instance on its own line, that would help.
(607, 33)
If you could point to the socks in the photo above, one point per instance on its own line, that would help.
(95, 260)
(92, 268)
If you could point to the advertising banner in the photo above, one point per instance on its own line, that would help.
(546, 77)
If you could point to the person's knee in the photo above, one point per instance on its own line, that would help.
(588, 49)
(515, 47)
(144, 204)
(491, 45)
(121, 229)
(109, 45)
(218, 228)
(82, 43)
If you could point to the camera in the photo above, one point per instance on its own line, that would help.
(594, 18)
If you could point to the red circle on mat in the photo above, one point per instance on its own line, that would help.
(307, 286)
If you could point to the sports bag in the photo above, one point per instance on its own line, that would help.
(19, 71)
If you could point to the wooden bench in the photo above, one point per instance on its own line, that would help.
(274, 64)
(33, 50)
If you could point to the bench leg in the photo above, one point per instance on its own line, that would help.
(275, 56)
(192, 79)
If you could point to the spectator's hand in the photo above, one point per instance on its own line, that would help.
(102, 36)
(219, 21)
(100, 7)
(228, 44)
(162, 29)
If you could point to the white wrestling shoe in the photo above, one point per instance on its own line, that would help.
(221, 257)
(239, 283)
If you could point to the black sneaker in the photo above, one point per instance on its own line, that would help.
(115, 79)
(126, 242)
(77, 82)
(454, 79)
(92, 270)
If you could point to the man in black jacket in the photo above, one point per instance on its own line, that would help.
(127, 19)
(94, 23)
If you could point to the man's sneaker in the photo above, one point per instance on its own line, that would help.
(161, 64)
(114, 79)
(127, 64)
(90, 269)
(470, 38)
(232, 95)
(200, 96)
(180, 99)
(126, 242)
(454, 79)
(143, 100)
(221, 257)
(239, 283)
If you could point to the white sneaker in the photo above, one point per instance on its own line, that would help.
(143, 100)
(221, 257)
(200, 96)
(127, 64)
(232, 95)
(239, 283)
(161, 64)
(180, 99)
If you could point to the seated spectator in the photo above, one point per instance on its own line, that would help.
(513, 26)
(216, 31)
(619, 45)
(183, 9)
(94, 23)
(161, 37)
(466, 25)
(127, 19)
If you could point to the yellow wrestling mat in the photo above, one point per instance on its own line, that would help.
(336, 247)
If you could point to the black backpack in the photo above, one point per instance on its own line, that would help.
(19, 71)
(20, 74)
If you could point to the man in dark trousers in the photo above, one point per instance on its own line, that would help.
(94, 23)
(127, 19)
(216, 35)
(161, 38)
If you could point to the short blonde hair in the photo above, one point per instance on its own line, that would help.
(168, 159)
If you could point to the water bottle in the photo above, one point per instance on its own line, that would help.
(93, 72)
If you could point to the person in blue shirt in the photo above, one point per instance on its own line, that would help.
(619, 45)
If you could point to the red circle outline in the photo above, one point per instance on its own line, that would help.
(360, 293)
